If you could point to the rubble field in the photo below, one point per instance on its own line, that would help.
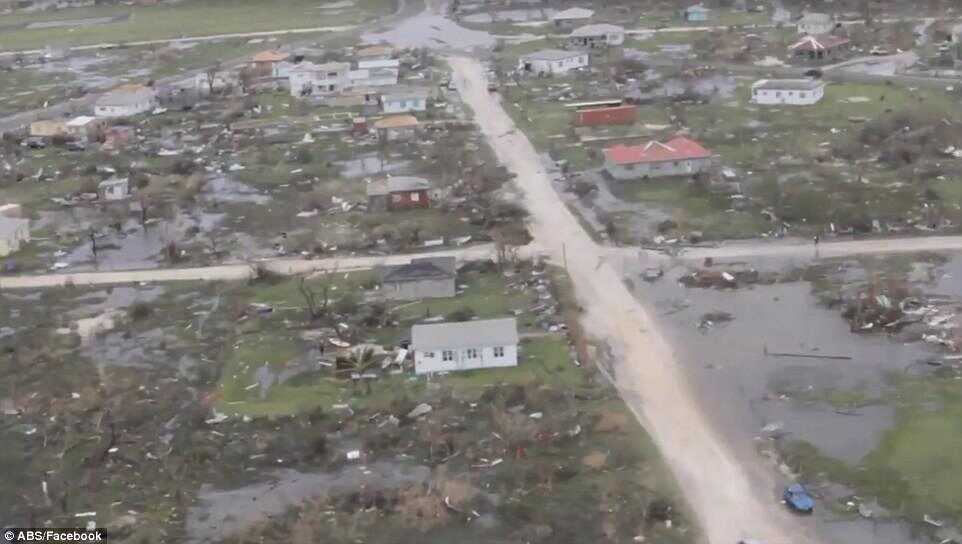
(155, 429)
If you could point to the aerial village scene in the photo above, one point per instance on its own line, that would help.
(481, 271)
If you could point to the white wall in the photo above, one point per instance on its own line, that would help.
(433, 361)
(796, 98)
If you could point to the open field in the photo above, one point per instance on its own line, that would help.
(193, 18)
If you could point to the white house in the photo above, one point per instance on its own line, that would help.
(797, 92)
(445, 347)
(126, 101)
(13, 232)
(375, 73)
(552, 61)
(815, 23)
(309, 79)
(403, 100)
(591, 36)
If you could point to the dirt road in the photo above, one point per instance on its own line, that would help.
(728, 505)
(238, 271)
(804, 248)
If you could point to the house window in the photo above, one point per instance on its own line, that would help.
(415, 197)
(471, 353)
(499, 351)
(802, 94)
(429, 354)
(447, 355)
(778, 94)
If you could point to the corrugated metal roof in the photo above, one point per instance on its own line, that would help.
(487, 332)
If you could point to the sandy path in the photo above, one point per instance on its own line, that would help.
(721, 493)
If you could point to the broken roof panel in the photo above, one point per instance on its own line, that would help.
(818, 43)
(678, 148)
(487, 332)
(397, 184)
(420, 269)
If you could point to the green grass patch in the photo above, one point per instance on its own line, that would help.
(190, 18)
(917, 467)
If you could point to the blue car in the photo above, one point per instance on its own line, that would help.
(798, 499)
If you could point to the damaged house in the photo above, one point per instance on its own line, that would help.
(813, 23)
(823, 47)
(552, 61)
(447, 347)
(126, 101)
(679, 156)
(307, 78)
(113, 189)
(431, 277)
(265, 63)
(570, 18)
(397, 127)
(48, 128)
(405, 99)
(375, 73)
(398, 193)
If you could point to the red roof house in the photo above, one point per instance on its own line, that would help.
(676, 157)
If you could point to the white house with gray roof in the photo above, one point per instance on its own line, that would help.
(795, 92)
(592, 36)
(552, 61)
(447, 347)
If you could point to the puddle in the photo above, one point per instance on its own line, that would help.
(220, 513)
(740, 383)
(222, 188)
(432, 31)
(370, 165)
(133, 247)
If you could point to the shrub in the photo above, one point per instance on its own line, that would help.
(139, 311)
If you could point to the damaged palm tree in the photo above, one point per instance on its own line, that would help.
(317, 303)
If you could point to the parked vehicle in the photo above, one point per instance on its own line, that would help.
(35, 142)
(798, 499)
